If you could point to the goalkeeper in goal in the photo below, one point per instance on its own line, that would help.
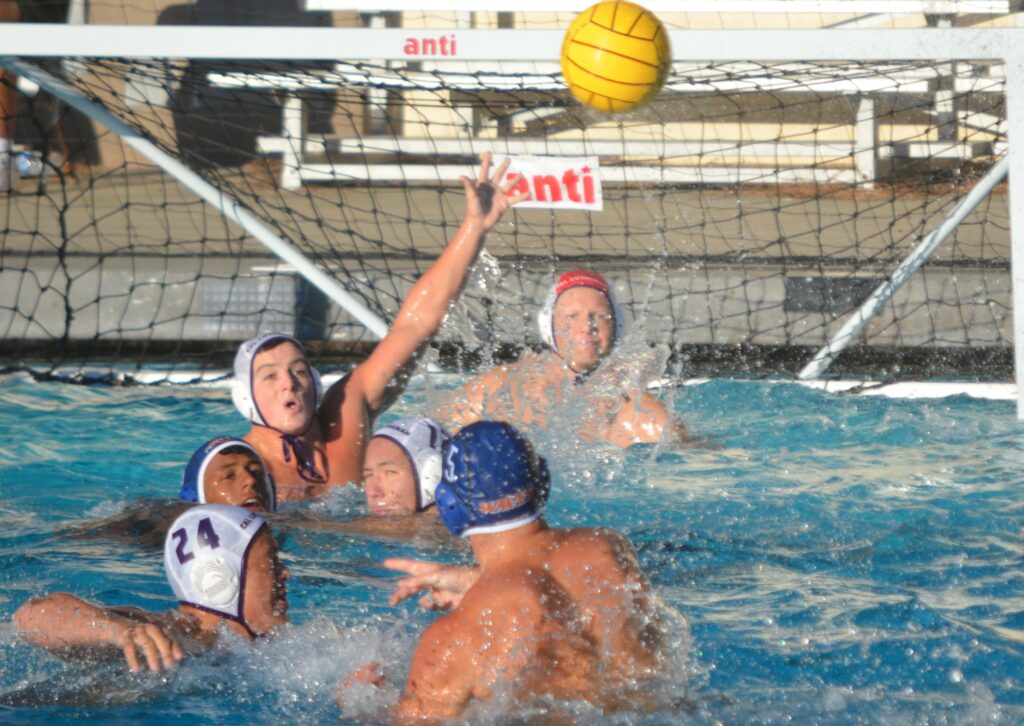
(579, 323)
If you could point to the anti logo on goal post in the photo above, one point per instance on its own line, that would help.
(558, 182)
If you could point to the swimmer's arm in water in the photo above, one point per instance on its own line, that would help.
(460, 407)
(643, 419)
(63, 624)
(445, 584)
(423, 528)
(441, 676)
(428, 302)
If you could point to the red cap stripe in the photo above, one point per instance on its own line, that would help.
(581, 278)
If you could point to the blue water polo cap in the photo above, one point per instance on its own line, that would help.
(193, 487)
(492, 480)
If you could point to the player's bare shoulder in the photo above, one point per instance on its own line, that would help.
(465, 404)
(513, 587)
(589, 553)
(594, 543)
(506, 373)
(504, 610)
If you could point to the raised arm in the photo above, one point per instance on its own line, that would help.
(427, 303)
(64, 623)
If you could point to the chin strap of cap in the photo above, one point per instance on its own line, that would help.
(304, 460)
(579, 378)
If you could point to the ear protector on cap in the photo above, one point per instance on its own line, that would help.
(575, 278)
(241, 387)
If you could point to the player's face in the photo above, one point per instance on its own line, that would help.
(266, 591)
(388, 480)
(282, 386)
(238, 479)
(584, 328)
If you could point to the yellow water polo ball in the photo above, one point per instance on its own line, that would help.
(615, 56)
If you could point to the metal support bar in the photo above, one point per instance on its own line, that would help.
(884, 292)
(1014, 118)
(866, 148)
(57, 40)
(293, 131)
(228, 206)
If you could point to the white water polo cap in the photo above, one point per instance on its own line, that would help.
(241, 387)
(205, 557)
(575, 278)
(422, 440)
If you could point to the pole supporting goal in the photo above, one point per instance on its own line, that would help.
(216, 198)
(884, 292)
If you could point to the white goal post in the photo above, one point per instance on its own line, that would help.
(541, 48)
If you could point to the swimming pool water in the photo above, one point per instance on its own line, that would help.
(841, 559)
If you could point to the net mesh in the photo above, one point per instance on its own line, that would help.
(747, 210)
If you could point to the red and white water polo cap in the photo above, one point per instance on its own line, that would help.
(569, 280)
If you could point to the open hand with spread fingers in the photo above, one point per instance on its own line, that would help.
(490, 195)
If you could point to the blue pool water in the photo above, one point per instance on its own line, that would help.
(841, 559)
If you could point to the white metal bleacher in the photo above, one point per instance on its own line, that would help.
(297, 147)
(722, 161)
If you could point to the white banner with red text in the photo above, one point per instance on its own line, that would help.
(558, 182)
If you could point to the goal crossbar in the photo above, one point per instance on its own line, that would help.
(391, 44)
